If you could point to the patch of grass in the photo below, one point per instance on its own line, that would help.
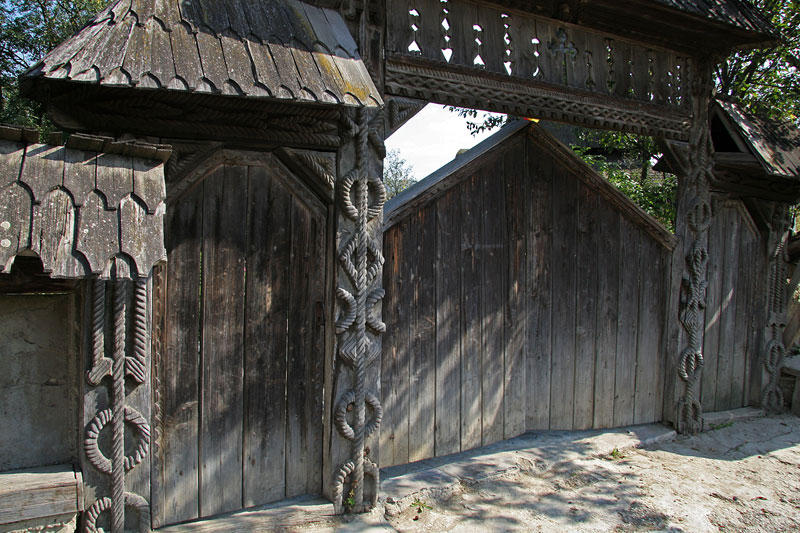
(616, 454)
(420, 505)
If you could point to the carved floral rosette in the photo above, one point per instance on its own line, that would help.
(357, 410)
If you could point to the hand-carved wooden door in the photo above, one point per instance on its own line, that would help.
(241, 375)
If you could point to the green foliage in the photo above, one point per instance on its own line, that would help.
(767, 81)
(29, 29)
(487, 122)
(625, 160)
(398, 175)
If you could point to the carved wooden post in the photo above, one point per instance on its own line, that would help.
(357, 412)
(128, 365)
(697, 218)
(775, 350)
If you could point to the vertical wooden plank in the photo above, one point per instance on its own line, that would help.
(391, 283)
(627, 325)
(408, 245)
(727, 323)
(181, 361)
(429, 37)
(516, 318)
(716, 239)
(492, 37)
(586, 308)
(540, 251)
(493, 297)
(744, 282)
(448, 321)
(423, 351)
(608, 272)
(221, 398)
(648, 334)
(471, 343)
(565, 218)
(398, 31)
(267, 303)
(305, 339)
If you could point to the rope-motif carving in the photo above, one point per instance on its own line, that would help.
(135, 365)
(362, 196)
(118, 413)
(346, 404)
(104, 504)
(101, 419)
(699, 216)
(772, 396)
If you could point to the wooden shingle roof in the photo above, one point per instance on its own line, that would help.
(738, 13)
(282, 49)
(82, 206)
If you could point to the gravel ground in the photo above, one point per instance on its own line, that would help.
(740, 476)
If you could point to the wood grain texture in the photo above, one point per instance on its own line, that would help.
(266, 316)
(562, 389)
(422, 369)
(448, 326)
(221, 400)
(540, 289)
(39, 493)
(627, 326)
(714, 308)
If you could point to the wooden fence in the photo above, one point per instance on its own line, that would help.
(523, 292)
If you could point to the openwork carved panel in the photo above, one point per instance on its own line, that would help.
(568, 62)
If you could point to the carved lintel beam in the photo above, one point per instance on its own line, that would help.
(400, 110)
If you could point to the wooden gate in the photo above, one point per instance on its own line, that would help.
(241, 375)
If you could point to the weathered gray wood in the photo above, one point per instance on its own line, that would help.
(608, 272)
(52, 234)
(422, 380)
(43, 169)
(515, 164)
(114, 177)
(448, 325)
(627, 326)
(16, 208)
(648, 367)
(186, 55)
(565, 217)
(743, 289)
(402, 369)
(268, 294)
(222, 341)
(79, 174)
(11, 155)
(714, 308)
(39, 493)
(305, 337)
(586, 302)
(391, 283)
(471, 344)
(540, 280)
(728, 356)
(180, 397)
(212, 59)
(493, 257)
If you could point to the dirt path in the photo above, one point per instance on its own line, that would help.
(741, 477)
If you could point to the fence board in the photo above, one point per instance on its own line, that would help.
(492, 254)
(471, 400)
(265, 340)
(422, 386)
(540, 290)
(222, 349)
(448, 326)
(716, 239)
(586, 309)
(608, 272)
(648, 366)
(181, 361)
(727, 354)
(516, 317)
(304, 342)
(625, 375)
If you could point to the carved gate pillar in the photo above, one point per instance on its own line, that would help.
(354, 409)
(695, 217)
(774, 349)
